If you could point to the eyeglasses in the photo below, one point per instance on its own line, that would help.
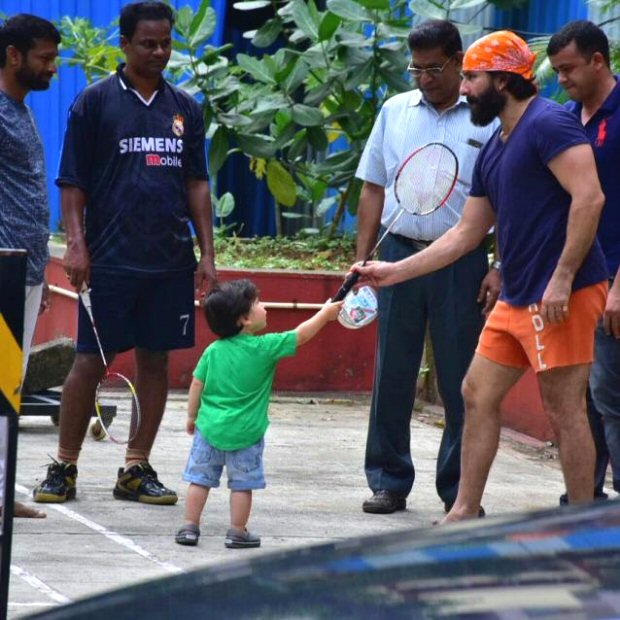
(432, 71)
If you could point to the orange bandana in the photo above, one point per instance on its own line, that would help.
(500, 51)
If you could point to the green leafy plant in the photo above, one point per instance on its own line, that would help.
(303, 113)
(309, 252)
(300, 115)
(89, 47)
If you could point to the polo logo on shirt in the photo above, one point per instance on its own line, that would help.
(601, 136)
(178, 128)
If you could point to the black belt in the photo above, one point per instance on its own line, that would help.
(418, 244)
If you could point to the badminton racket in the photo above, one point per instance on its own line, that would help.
(423, 184)
(115, 393)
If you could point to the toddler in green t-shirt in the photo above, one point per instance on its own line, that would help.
(228, 402)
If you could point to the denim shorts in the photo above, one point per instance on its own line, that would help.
(244, 468)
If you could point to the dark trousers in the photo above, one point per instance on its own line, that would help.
(602, 454)
(446, 301)
(604, 408)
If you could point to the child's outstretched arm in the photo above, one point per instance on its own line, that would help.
(193, 404)
(310, 328)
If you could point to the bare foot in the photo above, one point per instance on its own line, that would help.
(27, 512)
(454, 516)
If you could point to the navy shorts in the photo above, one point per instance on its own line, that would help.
(156, 314)
(244, 468)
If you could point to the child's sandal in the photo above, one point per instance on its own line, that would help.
(188, 535)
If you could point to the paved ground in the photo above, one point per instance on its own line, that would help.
(315, 489)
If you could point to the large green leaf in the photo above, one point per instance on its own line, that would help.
(347, 9)
(394, 80)
(299, 146)
(256, 68)
(183, 21)
(236, 121)
(256, 146)
(428, 8)
(225, 205)
(267, 33)
(318, 139)
(397, 31)
(203, 24)
(396, 58)
(304, 20)
(376, 4)
(329, 24)
(251, 5)
(307, 116)
(318, 94)
(275, 102)
(281, 184)
(218, 150)
(354, 196)
(339, 160)
(296, 77)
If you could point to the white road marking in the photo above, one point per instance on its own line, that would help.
(39, 585)
(119, 539)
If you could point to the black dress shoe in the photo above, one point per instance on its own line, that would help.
(597, 496)
(448, 507)
(384, 502)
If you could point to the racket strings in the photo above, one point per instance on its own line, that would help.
(426, 179)
(117, 400)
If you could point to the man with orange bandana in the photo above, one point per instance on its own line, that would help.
(536, 182)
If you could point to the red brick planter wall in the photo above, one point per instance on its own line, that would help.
(338, 359)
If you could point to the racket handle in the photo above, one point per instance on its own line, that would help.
(347, 285)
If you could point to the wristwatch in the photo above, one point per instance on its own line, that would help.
(496, 264)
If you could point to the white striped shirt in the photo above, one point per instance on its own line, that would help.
(407, 122)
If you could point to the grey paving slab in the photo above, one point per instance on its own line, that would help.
(314, 467)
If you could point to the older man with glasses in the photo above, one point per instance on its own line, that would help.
(450, 302)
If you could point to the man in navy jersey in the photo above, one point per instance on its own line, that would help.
(536, 181)
(579, 54)
(133, 175)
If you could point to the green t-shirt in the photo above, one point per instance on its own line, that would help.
(237, 374)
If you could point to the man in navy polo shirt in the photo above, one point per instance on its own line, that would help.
(579, 54)
(133, 175)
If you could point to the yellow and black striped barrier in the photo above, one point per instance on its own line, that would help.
(12, 288)
(12, 292)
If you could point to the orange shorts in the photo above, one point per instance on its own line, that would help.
(519, 337)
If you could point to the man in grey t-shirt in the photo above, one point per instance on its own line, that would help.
(28, 52)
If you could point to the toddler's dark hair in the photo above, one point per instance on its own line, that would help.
(227, 303)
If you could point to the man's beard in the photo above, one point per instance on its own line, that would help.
(486, 107)
(30, 80)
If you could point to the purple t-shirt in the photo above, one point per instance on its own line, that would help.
(530, 204)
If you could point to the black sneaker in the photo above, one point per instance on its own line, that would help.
(58, 486)
(140, 484)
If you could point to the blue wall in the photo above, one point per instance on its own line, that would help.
(541, 17)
